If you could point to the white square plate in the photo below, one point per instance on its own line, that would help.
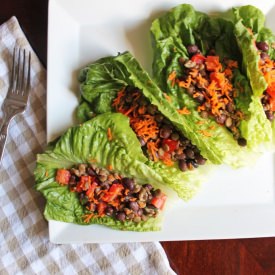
(232, 204)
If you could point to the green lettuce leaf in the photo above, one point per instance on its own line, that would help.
(171, 34)
(246, 41)
(124, 70)
(219, 148)
(88, 143)
(249, 27)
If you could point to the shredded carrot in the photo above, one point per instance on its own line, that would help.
(168, 162)
(152, 149)
(46, 173)
(184, 111)
(110, 167)
(205, 133)
(212, 127)
(109, 134)
(92, 160)
(87, 217)
(172, 77)
(185, 84)
(232, 64)
(250, 31)
(200, 122)
(145, 127)
(201, 108)
(118, 98)
(167, 97)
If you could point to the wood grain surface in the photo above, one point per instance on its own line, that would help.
(218, 257)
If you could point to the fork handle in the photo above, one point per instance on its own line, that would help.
(4, 134)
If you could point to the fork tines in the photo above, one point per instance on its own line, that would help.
(20, 76)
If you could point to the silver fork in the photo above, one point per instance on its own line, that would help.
(18, 92)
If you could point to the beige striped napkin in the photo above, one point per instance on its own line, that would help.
(24, 241)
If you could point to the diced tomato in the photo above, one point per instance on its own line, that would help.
(173, 144)
(113, 192)
(159, 201)
(91, 190)
(63, 176)
(212, 63)
(271, 91)
(101, 206)
(198, 58)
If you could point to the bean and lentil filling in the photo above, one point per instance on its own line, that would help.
(159, 139)
(105, 193)
(209, 81)
(267, 68)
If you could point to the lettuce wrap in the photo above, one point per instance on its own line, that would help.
(257, 44)
(172, 36)
(87, 144)
(103, 82)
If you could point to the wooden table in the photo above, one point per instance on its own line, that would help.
(221, 257)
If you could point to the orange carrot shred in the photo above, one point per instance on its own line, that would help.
(205, 133)
(109, 134)
(184, 111)
(167, 97)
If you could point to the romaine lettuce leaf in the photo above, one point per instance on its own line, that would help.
(249, 28)
(218, 148)
(171, 34)
(126, 71)
(89, 143)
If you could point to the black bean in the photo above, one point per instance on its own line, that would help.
(140, 211)
(105, 185)
(159, 117)
(143, 195)
(121, 216)
(137, 219)
(228, 122)
(109, 210)
(189, 153)
(83, 198)
(183, 166)
(165, 132)
(221, 119)
(242, 141)
(192, 49)
(264, 55)
(181, 156)
(72, 180)
(230, 107)
(91, 206)
(263, 46)
(91, 172)
(152, 109)
(195, 164)
(200, 98)
(133, 205)
(165, 147)
(157, 193)
(142, 142)
(200, 159)
(128, 183)
(269, 115)
(190, 64)
(181, 60)
(204, 114)
(148, 186)
(175, 136)
(190, 90)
